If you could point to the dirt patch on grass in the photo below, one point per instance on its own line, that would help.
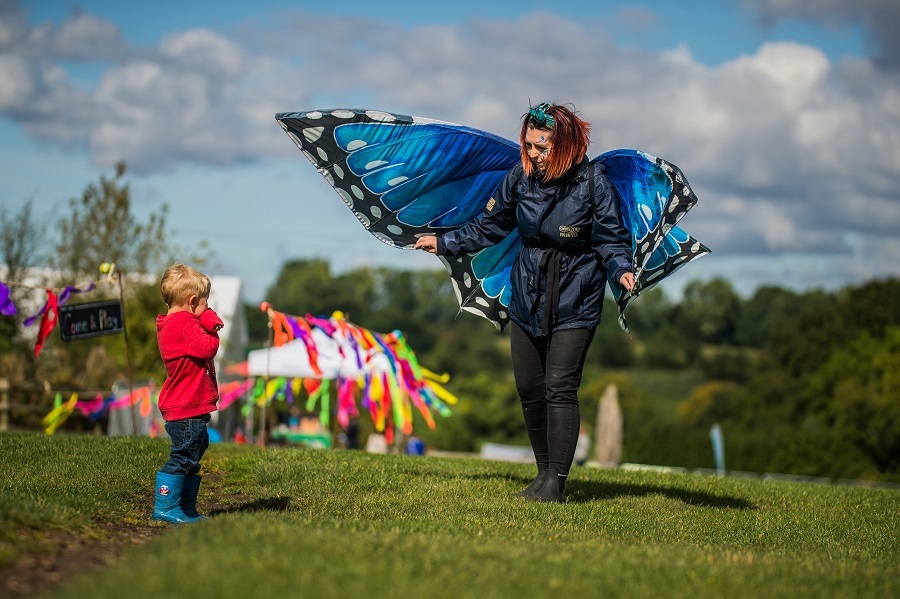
(49, 558)
(60, 556)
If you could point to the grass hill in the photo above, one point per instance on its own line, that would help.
(321, 523)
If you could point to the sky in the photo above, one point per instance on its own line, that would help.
(784, 115)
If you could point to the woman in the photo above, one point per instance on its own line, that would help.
(567, 213)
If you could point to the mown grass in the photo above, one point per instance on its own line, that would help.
(349, 524)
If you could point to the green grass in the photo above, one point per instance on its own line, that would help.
(349, 524)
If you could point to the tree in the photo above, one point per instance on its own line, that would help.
(307, 286)
(101, 227)
(711, 310)
(771, 307)
(21, 242)
(856, 393)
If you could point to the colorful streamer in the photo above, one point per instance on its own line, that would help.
(390, 395)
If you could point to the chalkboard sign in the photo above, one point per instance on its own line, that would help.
(90, 320)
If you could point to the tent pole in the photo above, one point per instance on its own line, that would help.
(262, 418)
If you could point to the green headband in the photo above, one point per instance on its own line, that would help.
(540, 117)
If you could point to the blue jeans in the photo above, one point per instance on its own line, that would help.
(190, 439)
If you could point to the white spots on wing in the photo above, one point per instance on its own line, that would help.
(314, 115)
(363, 219)
(294, 138)
(687, 190)
(482, 302)
(467, 280)
(355, 145)
(654, 275)
(356, 191)
(695, 248)
(343, 114)
(312, 134)
(676, 201)
(395, 229)
(502, 315)
(383, 238)
(337, 170)
(376, 211)
(645, 247)
(283, 126)
(377, 115)
(310, 157)
(397, 180)
(375, 164)
(344, 196)
(666, 228)
(322, 154)
(645, 209)
(327, 176)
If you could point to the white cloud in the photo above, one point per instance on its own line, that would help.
(790, 153)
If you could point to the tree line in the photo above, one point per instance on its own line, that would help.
(801, 382)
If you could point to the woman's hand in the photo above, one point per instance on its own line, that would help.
(427, 243)
(627, 281)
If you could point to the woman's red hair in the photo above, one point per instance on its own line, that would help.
(570, 136)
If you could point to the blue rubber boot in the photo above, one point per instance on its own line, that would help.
(189, 496)
(167, 506)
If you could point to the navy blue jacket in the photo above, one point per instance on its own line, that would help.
(559, 276)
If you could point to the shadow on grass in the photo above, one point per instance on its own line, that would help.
(583, 491)
(269, 504)
(579, 491)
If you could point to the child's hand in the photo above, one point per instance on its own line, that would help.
(210, 321)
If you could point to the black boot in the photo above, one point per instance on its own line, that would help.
(549, 488)
(535, 485)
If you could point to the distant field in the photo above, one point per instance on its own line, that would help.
(321, 523)
(664, 388)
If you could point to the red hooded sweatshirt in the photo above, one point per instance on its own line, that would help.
(188, 345)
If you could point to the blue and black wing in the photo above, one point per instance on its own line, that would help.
(404, 177)
(654, 195)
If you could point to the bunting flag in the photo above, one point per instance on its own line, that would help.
(382, 378)
(60, 412)
(49, 313)
(6, 305)
(49, 317)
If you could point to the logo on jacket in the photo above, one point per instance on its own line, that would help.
(567, 231)
(490, 204)
(164, 490)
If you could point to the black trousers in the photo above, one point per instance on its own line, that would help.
(548, 374)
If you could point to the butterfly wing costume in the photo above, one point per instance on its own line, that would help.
(405, 177)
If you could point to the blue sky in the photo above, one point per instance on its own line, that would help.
(783, 114)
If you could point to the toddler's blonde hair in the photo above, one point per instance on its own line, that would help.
(180, 282)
